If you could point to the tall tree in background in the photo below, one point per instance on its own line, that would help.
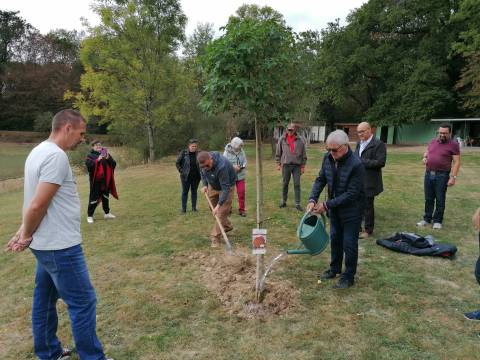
(249, 69)
(133, 79)
(391, 60)
(468, 47)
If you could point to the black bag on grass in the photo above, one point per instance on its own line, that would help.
(410, 243)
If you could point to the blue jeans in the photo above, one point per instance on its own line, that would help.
(344, 240)
(435, 186)
(64, 274)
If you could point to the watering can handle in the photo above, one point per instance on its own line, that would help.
(308, 213)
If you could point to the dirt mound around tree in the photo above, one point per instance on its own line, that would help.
(232, 279)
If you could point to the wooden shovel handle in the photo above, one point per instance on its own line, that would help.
(224, 234)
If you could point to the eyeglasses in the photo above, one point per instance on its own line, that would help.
(333, 150)
(442, 133)
(361, 131)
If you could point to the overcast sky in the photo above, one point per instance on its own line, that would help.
(301, 15)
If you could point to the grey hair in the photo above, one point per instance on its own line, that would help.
(338, 137)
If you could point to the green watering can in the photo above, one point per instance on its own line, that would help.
(313, 235)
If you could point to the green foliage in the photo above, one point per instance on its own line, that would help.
(251, 67)
(43, 122)
(391, 61)
(132, 79)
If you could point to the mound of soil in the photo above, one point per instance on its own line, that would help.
(232, 279)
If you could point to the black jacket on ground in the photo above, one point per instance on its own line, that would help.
(346, 194)
(373, 158)
(221, 176)
(184, 167)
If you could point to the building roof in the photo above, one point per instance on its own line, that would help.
(454, 120)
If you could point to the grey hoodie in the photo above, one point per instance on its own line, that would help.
(236, 158)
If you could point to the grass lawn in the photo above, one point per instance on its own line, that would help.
(156, 299)
(12, 158)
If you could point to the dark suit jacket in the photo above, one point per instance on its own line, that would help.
(374, 157)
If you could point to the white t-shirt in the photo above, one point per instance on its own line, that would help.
(60, 227)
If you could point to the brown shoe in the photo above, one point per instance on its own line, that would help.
(363, 235)
(215, 242)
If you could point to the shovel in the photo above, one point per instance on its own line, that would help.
(224, 234)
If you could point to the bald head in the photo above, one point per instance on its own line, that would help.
(64, 117)
(205, 160)
(364, 131)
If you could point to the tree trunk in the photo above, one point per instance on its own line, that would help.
(151, 145)
(259, 184)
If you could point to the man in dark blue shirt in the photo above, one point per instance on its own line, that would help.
(218, 177)
(343, 174)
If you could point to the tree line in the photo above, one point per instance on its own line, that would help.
(138, 76)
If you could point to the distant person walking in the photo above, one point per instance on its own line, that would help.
(475, 315)
(101, 172)
(373, 154)
(218, 177)
(291, 157)
(343, 174)
(235, 154)
(51, 228)
(442, 162)
(189, 169)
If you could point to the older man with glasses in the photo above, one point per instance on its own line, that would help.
(343, 174)
(442, 162)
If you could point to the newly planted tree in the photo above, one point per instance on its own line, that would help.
(249, 69)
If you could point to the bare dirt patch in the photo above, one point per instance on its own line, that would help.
(232, 279)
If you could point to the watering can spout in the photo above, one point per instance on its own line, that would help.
(299, 252)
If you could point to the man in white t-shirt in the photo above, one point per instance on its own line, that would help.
(51, 228)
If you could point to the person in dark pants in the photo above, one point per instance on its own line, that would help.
(373, 154)
(101, 166)
(442, 161)
(475, 315)
(187, 166)
(343, 174)
(291, 157)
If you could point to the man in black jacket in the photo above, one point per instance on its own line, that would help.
(343, 174)
(373, 154)
(218, 178)
(187, 166)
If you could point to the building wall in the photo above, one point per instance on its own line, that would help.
(420, 133)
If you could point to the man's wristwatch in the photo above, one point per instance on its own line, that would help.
(453, 176)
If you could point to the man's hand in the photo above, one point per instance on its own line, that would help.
(279, 167)
(302, 170)
(18, 242)
(424, 160)
(236, 167)
(451, 182)
(310, 206)
(205, 189)
(215, 210)
(319, 209)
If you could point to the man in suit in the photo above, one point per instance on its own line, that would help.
(373, 154)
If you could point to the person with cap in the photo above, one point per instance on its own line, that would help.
(343, 174)
(291, 157)
(373, 154)
(187, 166)
(235, 154)
(218, 178)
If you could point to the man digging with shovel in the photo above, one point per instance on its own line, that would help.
(218, 178)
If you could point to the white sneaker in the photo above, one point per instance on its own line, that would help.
(422, 223)
(109, 216)
(90, 220)
(437, 226)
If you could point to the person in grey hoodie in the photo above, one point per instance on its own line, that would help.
(218, 178)
(235, 154)
(291, 157)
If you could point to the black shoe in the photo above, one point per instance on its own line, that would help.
(194, 210)
(328, 274)
(242, 214)
(298, 207)
(343, 284)
(183, 212)
(65, 354)
(282, 205)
